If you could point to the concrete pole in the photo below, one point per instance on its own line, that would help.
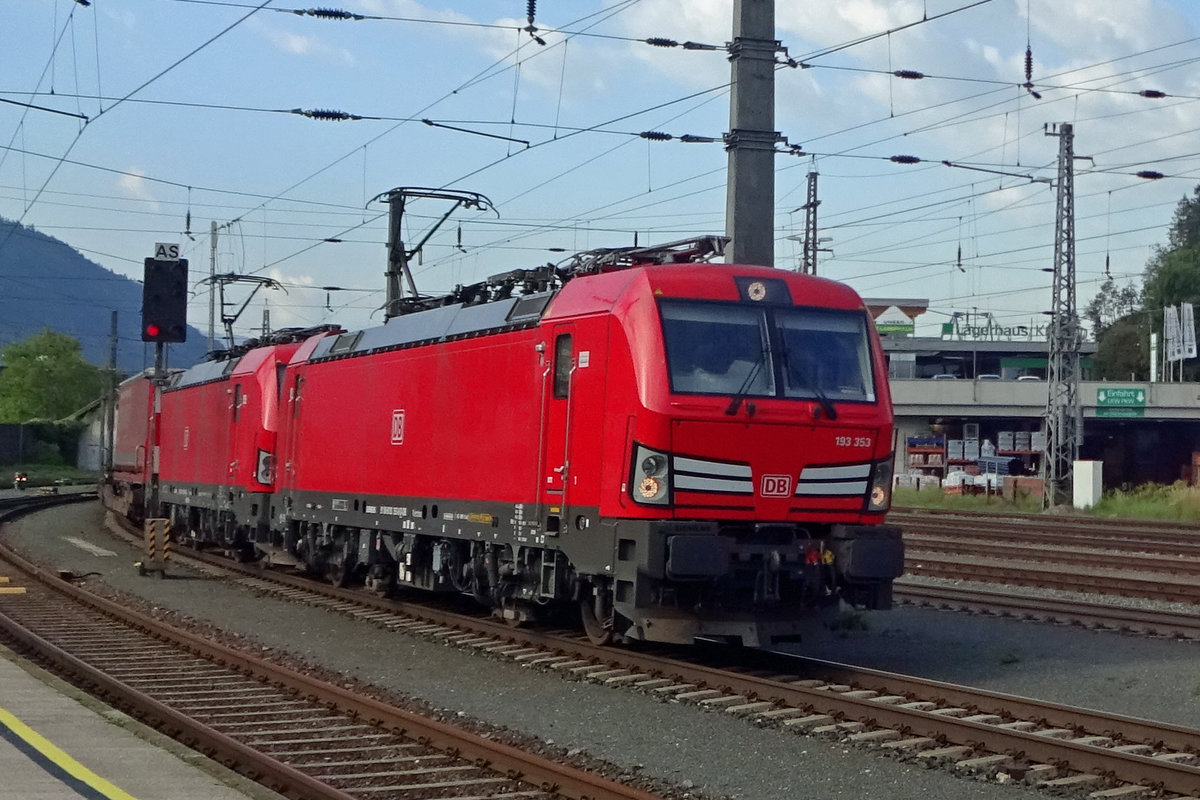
(750, 193)
(212, 285)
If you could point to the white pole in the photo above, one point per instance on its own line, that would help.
(1154, 358)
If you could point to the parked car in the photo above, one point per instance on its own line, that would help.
(1028, 378)
(945, 376)
(987, 376)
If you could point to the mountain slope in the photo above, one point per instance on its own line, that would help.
(46, 283)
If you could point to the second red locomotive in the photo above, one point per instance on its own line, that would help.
(681, 450)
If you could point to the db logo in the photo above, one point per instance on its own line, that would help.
(776, 486)
(398, 426)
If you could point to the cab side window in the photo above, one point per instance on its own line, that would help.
(562, 366)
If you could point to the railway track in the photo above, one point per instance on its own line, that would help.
(1148, 585)
(1086, 613)
(1093, 556)
(294, 733)
(1105, 557)
(1171, 538)
(1051, 745)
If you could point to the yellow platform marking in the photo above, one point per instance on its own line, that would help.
(58, 758)
(12, 590)
(4, 579)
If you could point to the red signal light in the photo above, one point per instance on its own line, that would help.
(164, 301)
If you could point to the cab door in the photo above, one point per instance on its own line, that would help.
(233, 457)
(556, 425)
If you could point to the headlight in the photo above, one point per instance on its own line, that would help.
(264, 471)
(650, 481)
(879, 493)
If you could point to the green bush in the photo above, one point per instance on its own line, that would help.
(1176, 502)
(52, 442)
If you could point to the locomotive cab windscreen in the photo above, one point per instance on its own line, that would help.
(767, 351)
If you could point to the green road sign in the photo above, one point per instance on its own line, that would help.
(1121, 401)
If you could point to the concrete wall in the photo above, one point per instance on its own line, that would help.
(12, 442)
(963, 398)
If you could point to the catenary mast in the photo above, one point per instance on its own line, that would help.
(750, 191)
(1064, 416)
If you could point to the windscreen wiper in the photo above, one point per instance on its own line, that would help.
(736, 402)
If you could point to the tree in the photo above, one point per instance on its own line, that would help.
(1172, 277)
(1185, 226)
(1110, 305)
(1173, 273)
(1123, 350)
(45, 377)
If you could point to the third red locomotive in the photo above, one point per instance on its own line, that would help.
(679, 449)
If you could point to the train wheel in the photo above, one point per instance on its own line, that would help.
(339, 568)
(382, 581)
(338, 573)
(598, 629)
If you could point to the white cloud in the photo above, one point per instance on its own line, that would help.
(135, 185)
(305, 45)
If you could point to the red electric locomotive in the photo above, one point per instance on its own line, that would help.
(681, 450)
(217, 434)
(132, 451)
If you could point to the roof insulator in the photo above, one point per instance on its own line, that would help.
(656, 136)
(1153, 94)
(329, 13)
(325, 114)
(660, 41)
(909, 74)
(1151, 175)
(905, 159)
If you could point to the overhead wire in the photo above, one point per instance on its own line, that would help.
(515, 197)
(62, 159)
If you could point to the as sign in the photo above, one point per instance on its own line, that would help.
(165, 251)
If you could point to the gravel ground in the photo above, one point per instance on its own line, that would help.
(705, 752)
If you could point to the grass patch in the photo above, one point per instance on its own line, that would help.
(1177, 502)
(935, 498)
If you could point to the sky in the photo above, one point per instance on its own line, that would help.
(126, 123)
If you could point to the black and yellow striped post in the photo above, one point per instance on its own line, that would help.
(157, 533)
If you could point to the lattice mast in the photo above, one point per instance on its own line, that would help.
(809, 261)
(1064, 416)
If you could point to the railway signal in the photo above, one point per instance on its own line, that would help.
(164, 300)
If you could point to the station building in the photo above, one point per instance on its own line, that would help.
(980, 389)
